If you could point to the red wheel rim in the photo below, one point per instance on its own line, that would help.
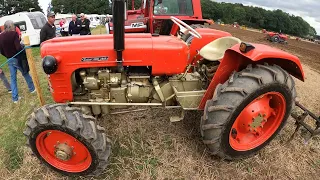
(258, 121)
(63, 151)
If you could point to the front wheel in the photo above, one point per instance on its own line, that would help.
(248, 111)
(67, 140)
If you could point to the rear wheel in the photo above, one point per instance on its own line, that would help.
(275, 39)
(67, 140)
(248, 111)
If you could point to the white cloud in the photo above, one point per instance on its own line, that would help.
(44, 5)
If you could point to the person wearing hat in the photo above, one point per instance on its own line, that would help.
(48, 31)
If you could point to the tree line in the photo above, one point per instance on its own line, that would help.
(8, 7)
(82, 6)
(256, 17)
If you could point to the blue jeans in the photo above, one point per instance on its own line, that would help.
(13, 67)
(5, 81)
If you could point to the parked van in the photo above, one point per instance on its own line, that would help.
(30, 24)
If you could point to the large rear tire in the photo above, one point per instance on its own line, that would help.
(247, 111)
(275, 39)
(67, 140)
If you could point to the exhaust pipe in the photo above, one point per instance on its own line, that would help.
(119, 10)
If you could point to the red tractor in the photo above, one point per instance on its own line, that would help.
(154, 16)
(246, 91)
(277, 37)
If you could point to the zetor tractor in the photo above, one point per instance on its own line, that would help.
(245, 90)
(154, 16)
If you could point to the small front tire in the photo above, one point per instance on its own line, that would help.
(67, 140)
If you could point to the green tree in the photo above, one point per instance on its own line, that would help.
(8, 7)
(239, 14)
(81, 6)
(137, 4)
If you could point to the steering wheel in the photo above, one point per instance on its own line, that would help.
(185, 27)
(162, 9)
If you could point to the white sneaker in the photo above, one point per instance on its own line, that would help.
(19, 98)
(34, 91)
(10, 92)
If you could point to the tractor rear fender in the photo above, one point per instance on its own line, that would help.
(235, 60)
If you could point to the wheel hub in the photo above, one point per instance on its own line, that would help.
(63, 152)
(257, 122)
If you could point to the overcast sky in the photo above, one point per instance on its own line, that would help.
(44, 4)
(309, 10)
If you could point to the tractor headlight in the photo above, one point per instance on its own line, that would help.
(49, 64)
(245, 47)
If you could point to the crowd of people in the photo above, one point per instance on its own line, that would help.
(11, 45)
(76, 27)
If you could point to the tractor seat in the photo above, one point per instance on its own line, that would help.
(215, 50)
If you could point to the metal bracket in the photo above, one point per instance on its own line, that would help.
(300, 123)
(177, 118)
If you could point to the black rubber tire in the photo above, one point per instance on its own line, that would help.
(233, 96)
(275, 39)
(72, 121)
(188, 37)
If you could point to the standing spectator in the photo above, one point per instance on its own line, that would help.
(64, 27)
(88, 22)
(9, 46)
(48, 31)
(85, 25)
(5, 81)
(61, 22)
(74, 26)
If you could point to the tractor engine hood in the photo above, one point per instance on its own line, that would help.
(166, 55)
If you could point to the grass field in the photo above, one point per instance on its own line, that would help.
(13, 117)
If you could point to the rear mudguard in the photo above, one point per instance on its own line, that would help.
(235, 60)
